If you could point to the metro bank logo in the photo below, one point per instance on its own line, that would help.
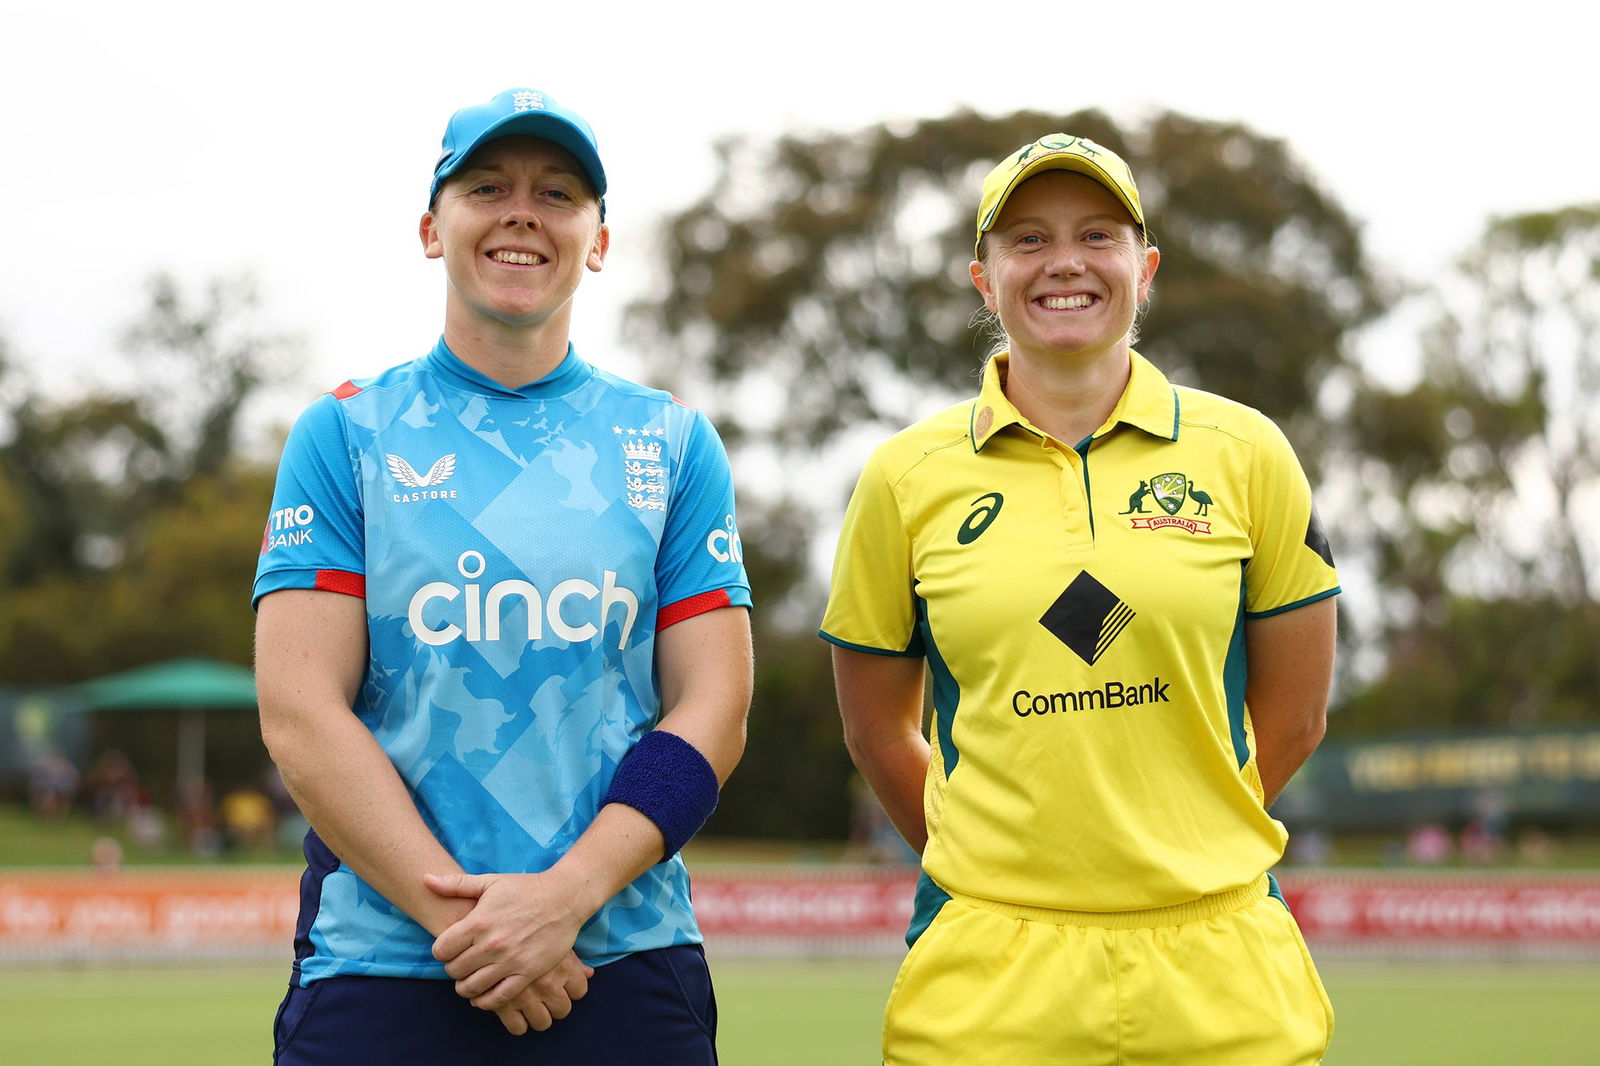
(287, 527)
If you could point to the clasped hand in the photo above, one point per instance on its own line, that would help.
(512, 953)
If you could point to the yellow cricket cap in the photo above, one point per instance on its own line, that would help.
(1057, 151)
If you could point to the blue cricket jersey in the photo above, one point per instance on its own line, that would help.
(518, 550)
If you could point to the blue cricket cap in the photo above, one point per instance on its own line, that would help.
(518, 112)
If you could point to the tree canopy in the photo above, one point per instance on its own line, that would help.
(130, 517)
(822, 280)
(1482, 483)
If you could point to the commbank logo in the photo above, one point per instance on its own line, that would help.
(982, 518)
(1087, 617)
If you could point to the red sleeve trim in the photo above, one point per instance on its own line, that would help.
(674, 613)
(345, 391)
(342, 581)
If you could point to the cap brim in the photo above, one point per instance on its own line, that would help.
(545, 126)
(1075, 164)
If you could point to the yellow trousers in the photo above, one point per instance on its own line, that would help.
(1223, 981)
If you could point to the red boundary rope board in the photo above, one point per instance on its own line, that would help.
(181, 910)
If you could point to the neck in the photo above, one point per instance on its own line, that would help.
(512, 355)
(1067, 399)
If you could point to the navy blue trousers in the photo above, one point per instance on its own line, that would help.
(653, 1007)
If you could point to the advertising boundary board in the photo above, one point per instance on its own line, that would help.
(60, 916)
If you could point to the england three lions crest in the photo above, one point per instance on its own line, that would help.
(644, 476)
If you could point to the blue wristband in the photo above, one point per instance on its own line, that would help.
(666, 779)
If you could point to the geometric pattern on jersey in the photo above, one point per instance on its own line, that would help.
(516, 547)
(1087, 617)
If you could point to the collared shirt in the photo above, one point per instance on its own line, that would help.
(517, 550)
(1081, 607)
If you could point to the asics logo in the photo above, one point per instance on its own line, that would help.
(982, 518)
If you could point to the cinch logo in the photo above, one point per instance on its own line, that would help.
(1111, 695)
(725, 544)
(483, 611)
(982, 518)
(286, 527)
(1170, 491)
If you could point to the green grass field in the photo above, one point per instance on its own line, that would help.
(816, 1014)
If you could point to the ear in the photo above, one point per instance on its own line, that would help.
(597, 251)
(428, 230)
(980, 281)
(1152, 259)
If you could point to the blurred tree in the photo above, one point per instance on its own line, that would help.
(81, 472)
(820, 285)
(191, 565)
(201, 360)
(127, 511)
(793, 782)
(1483, 483)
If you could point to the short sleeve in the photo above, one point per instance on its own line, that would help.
(872, 604)
(701, 564)
(314, 535)
(1292, 563)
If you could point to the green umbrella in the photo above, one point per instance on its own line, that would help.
(191, 686)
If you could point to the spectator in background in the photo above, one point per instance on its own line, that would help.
(112, 786)
(105, 855)
(1429, 844)
(52, 783)
(197, 817)
(247, 820)
(873, 837)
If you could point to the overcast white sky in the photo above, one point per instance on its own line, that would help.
(295, 140)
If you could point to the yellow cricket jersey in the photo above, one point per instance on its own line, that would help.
(1082, 612)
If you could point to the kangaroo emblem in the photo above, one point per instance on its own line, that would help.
(1136, 501)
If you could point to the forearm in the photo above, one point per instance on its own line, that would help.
(523, 923)
(351, 794)
(1281, 753)
(896, 766)
(1290, 658)
(706, 684)
(311, 654)
(880, 707)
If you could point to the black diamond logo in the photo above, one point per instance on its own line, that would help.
(1316, 539)
(1087, 617)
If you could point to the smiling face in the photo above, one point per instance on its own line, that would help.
(516, 226)
(1064, 268)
